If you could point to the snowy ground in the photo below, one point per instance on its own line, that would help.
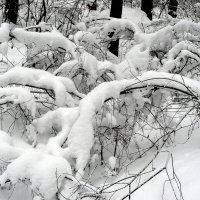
(186, 154)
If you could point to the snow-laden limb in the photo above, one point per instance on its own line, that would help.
(136, 60)
(135, 15)
(44, 59)
(129, 15)
(138, 57)
(188, 36)
(163, 38)
(121, 26)
(84, 37)
(45, 172)
(53, 39)
(8, 151)
(67, 68)
(18, 95)
(180, 51)
(43, 26)
(4, 32)
(164, 80)
(104, 66)
(68, 117)
(159, 40)
(62, 119)
(42, 79)
(177, 65)
(85, 61)
(185, 26)
(81, 136)
(58, 118)
(184, 45)
(169, 39)
(4, 37)
(90, 64)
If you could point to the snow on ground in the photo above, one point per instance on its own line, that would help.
(186, 164)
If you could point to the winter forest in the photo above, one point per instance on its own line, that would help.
(99, 99)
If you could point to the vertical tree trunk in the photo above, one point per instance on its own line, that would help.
(93, 6)
(147, 6)
(116, 11)
(172, 8)
(43, 12)
(11, 11)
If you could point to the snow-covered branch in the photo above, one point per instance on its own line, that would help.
(18, 95)
(34, 77)
(81, 136)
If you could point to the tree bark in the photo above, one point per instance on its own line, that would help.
(93, 6)
(116, 11)
(147, 6)
(43, 13)
(11, 11)
(172, 8)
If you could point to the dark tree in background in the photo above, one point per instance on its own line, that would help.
(172, 8)
(43, 12)
(92, 6)
(116, 11)
(11, 11)
(147, 6)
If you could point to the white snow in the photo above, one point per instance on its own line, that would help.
(180, 51)
(42, 79)
(89, 63)
(62, 119)
(133, 14)
(4, 32)
(8, 150)
(82, 140)
(112, 162)
(52, 39)
(120, 26)
(45, 172)
(18, 95)
(84, 37)
(81, 136)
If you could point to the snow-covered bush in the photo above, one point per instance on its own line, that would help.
(80, 122)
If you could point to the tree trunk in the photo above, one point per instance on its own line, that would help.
(11, 11)
(43, 12)
(172, 8)
(93, 6)
(116, 11)
(147, 6)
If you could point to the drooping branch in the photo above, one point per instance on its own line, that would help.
(93, 102)
(42, 79)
